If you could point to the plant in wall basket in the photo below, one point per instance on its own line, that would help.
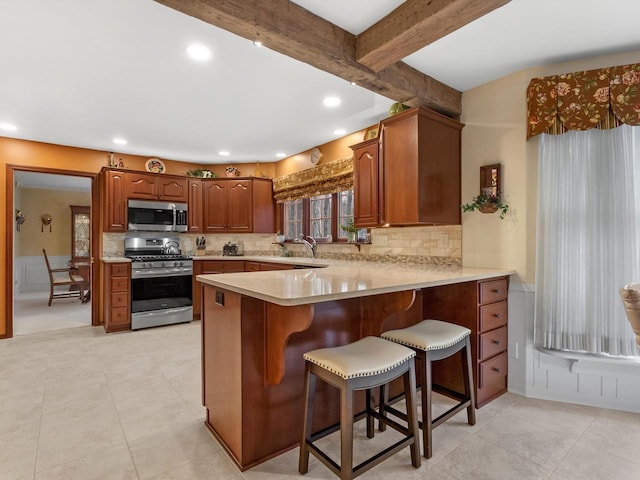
(487, 204)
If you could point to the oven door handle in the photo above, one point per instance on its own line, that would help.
(177, 272)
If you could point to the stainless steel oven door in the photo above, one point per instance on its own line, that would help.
(160, 299)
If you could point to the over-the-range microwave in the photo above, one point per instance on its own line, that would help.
(150, 216)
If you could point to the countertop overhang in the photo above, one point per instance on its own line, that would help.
(339, 279)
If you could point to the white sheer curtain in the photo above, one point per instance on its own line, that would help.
(588, 239)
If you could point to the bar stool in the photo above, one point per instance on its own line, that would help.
(435, 340)
(362, 365)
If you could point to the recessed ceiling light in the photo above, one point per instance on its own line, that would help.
(281, 155)
(199, 52)
(331, 101)
(340, 131)
(257, 43)
(119, 141)
(224, 153)
(8, 127)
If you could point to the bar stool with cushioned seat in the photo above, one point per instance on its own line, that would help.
(362, 365)
(435, 340)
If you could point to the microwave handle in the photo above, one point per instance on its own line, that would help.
(175, 222)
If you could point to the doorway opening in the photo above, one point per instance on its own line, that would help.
(53, 219)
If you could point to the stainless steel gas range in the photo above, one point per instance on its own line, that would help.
(161, 281)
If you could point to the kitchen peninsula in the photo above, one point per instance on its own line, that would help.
(257, 325)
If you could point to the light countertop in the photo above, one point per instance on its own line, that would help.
(115, 259)
(339, 280)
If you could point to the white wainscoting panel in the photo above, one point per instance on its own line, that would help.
(31, 272)
(589, 381)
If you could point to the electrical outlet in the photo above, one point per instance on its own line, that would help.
(513, 350)
(220, 298)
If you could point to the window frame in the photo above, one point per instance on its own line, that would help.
(306, 219)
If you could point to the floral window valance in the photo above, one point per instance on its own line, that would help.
(330, 177)
(603, 98)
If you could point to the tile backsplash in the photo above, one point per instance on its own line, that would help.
(437, 245)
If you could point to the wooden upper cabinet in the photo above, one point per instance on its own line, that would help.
(172, 189)
(194, 186)
(236, 204)
(421, 154)
(149, 186)
(241, 205)
(411, 174)
(141, 185)
(214, 205)
(114, 202)
(366, 168)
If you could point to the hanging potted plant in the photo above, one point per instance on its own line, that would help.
(487, 204)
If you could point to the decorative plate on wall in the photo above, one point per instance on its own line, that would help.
(154, 165)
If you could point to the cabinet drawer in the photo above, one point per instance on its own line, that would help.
(222, 266)
(251, 266)
(119, 284)
(493, 370)
(119, 300)
(120, 316)
(493, 291)
(493, 316)
(119, 270)
(493, 342)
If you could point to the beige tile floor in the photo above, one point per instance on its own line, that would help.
(80, 404)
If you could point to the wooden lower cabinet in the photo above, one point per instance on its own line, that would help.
(253, 370)
(117, 301)
(226, 266)
(481, 307)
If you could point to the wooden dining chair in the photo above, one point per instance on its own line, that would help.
(70, 280)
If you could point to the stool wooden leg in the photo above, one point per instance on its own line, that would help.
(468, 383)
(427, 414)
(412, 420)
(370, 408)
(309, 400)
(384, 399)
(346, 432)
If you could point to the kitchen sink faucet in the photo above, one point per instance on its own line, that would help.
(311, 245)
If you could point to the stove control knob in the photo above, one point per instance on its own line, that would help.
(163, 264)
(175, 264)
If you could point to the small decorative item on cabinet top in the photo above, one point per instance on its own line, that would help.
(154, 165)
(397, 108)
(201, 173)
(232, 172)
(372, 132)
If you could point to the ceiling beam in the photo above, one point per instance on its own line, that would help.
(414, 25)
(287, 28)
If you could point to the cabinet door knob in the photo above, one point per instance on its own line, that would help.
(496, 369)
(497, 315)
(497, 342)
(496, 290)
